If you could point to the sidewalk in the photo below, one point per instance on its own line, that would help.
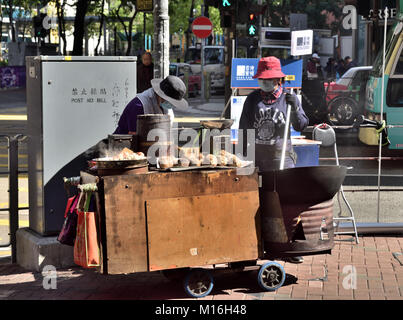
(324, 277)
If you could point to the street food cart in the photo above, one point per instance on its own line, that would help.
(193, 222)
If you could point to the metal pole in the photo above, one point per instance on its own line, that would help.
(161, 36)
(115, 45)
(13, 195)
(382, 102)
(287, 126)
(259, 51)
(144, 30)
(1, 27)
(106, 49)
(202, 57)
(203, 81)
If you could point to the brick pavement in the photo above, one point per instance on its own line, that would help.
(379, 276)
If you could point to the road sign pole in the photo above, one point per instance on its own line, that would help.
(203, 81)
(203, 85)
(202, 28)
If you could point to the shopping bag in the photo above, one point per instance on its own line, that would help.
(67, 234)
(86, 247)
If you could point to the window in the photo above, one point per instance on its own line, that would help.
(187, 69)
(192, 55)
(181, 71)
(394, 95)
(214, 56)
(360, 78)
(399, 65)
(172, 70)
(280, 53)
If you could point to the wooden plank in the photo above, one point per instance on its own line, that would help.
(125, 198)
(202, 230)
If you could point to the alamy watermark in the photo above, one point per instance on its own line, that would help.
(49, 274)
(350, 279)
(350, 20)
(213, 141)
(49, 22)
(351, 17)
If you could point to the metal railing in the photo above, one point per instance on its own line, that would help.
(13, 208)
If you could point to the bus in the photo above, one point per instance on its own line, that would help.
(393, 90)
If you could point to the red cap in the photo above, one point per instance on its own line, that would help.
(269, 68)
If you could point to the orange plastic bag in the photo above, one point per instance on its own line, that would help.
(86, 247)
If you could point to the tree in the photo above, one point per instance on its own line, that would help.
(181, 15)
(101, 24)
(1, 19)
(279, 11)
(79, 26)
(60, 9)
(10, 11)
(126, 11)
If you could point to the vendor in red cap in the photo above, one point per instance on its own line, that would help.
(265, 110)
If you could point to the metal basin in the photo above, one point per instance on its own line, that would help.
(119, 164)
(308, 185)
(296, 207)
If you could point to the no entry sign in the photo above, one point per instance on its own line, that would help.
(202, 27)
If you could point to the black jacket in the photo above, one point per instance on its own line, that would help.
(144, 76)
(268, 121)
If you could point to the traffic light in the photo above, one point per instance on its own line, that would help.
(39, 30)
(227, 4)
(252, 28)
(226, 20)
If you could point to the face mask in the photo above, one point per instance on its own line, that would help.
(166, 105)
(267, 85)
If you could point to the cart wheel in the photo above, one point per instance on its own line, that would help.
(198, 283)
(271, 276)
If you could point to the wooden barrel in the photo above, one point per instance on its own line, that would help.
(154, 135)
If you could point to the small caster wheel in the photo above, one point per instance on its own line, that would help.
(198, 283)
(271, 276)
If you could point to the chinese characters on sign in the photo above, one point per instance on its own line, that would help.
(88, 95)
(117, 96)
(144, 5)
(245, 72)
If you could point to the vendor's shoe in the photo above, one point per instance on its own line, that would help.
(295, 259)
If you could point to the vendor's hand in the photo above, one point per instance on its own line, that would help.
(291, 99)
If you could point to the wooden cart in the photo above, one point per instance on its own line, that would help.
(180, 222)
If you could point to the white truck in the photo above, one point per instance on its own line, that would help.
(213, 64)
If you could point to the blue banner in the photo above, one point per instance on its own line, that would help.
(243, 71)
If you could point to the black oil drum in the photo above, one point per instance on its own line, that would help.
(154, 135)
(296, 209)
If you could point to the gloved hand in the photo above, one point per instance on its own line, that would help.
(291, 99)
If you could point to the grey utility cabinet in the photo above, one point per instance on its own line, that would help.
(73, 104)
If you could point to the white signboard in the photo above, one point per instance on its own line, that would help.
(236, 109)
(301, 42)
(82, 104)
(237, 103)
